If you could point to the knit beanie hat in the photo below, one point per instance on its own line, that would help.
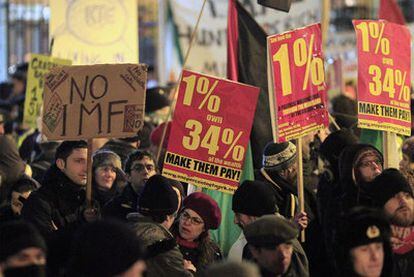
(104, 249)
(387, 184)
(279, 156)
(254, 198)
(16, 236)
(408, 148)
(158, 197)
(105, 157)
(206, 207)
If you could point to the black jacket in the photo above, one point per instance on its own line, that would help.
(121, 205)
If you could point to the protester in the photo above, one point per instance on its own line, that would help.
(270, 240)
(139, 167)
(394, 195)
(108, 176)
(106, 249)
(251, 201)
(158, 207)
(407, 162)
(20, 191)
(199, 214)
(358, 166)
(22, 250)
(363, 244)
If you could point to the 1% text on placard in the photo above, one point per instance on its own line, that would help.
(214, 137)
(302, 56)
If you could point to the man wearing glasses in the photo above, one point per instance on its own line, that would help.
(139, 167)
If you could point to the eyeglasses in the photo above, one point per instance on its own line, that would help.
(194, 220)
(371, 163)
(140, 167)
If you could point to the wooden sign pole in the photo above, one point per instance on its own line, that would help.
(89, 180)
(301, 196)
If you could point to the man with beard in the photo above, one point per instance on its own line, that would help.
(251, 201)
(139, 167)
(392, 192)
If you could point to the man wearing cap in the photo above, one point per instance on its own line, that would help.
(158, 207)
(391, 192)
(251, 201)
(22, 250)
(270, 239)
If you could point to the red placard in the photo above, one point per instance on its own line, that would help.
(210, 131)
(297, 91)
(384, 65)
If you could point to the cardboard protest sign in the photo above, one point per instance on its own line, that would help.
(384, 66)
(94, 31)
(94, 101)
(297, 92)
(210, 131)
(39, 65)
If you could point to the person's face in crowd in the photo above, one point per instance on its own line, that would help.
(141, 171)
(18, 86)
(75, 166)
(1, 129)
(290, 174)
(405, 163)
(26, 257)
(16, 204)
(242, 220)
(400, 209)
(368, 259)
(136, 270)
(369, 167)
(191, 225)
(105, 177)
(276, 260)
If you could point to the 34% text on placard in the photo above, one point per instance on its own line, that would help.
(215, 136)
(393, 79)
(302, 56)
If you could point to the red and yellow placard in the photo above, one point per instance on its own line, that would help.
(210, 131)
(384, 60)
(297, 91)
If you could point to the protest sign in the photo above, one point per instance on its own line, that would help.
(210, 131)
(297, 92)
(39, 65)
(94, 31)
(384, 66)
(94, 101)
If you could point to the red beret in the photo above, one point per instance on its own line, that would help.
(206, 207)
(156, 134)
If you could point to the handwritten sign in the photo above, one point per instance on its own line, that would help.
(39, 65)
(384, 66)
(210, 131)
(94, 101)
(298, 100)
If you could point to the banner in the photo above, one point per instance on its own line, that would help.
(97, 101)
(210, 131)
(39, 65)
(297, 92)
(208, 53)
(384, 66)
(94, 31)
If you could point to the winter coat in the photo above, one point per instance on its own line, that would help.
(121, 205)
(164, 256)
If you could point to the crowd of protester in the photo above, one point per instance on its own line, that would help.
(358, 218)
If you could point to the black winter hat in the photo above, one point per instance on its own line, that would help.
(387, 184)
(158, 197)
(333, 145)
(104, 249)
(16, 236)
(279, 156)
(254, 198)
